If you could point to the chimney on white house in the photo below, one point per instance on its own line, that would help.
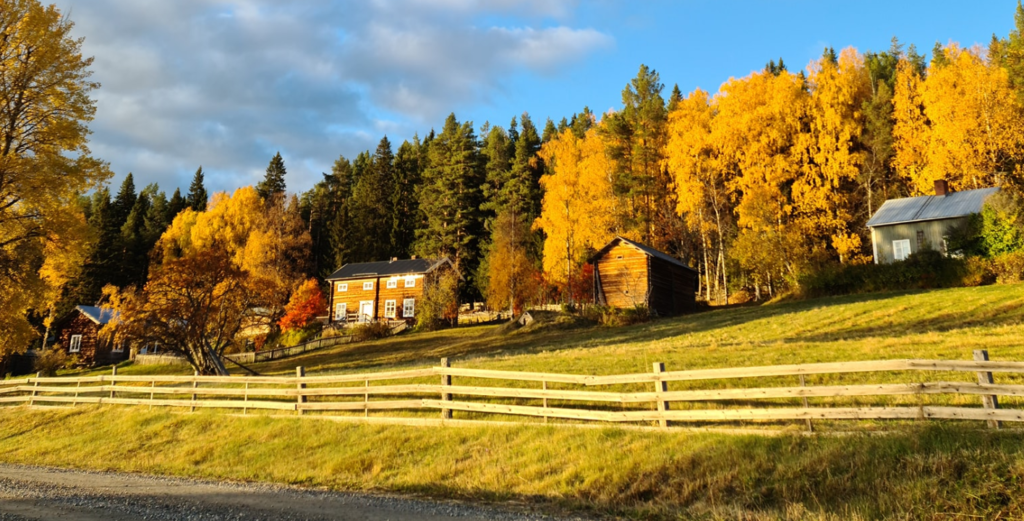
(941, 187)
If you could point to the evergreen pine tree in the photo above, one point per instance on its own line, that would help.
(549, 131)
(197, 196)
(829, 55)
(677, 96)
(939, 58)
(134, 244)
(635, 137)
(125, 200)
(332, 243)
(174, 206)
(449, 197)
(371, 206)
(273, 184)
(404, 204)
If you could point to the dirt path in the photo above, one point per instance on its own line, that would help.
(44, 493)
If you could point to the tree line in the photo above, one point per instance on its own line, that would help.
(757, 185)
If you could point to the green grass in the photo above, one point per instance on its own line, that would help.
(929, 471)
(912, 470)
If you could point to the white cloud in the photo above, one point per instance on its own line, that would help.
(226, 83)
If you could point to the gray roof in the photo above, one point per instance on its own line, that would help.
(97, 314)
(360, 270)
(642, 247)
(931, 207)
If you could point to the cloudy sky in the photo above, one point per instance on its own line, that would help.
(227, 83)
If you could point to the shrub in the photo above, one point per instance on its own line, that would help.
(1009, 267)
(50, 361)
(439, 306)
(923, 270)
(305, 304)
(371, 331)
(615, 317)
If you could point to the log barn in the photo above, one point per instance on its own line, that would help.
(382, 291)
(78, 334)
(629, 274)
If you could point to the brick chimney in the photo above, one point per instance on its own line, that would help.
(941, 187)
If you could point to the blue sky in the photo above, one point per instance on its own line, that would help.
(227, 83)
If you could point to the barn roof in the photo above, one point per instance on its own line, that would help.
(97, 314)
(358, 270)
(650, 252)
(931, 207)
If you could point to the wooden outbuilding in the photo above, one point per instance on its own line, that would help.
(78, 335)
(382, 291)
(629, 274)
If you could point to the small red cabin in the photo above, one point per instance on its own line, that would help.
(79, 336)
(629, 274)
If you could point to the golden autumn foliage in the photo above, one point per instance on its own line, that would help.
(824, 194)
(577, 211)
(975, 119)
(44, 161)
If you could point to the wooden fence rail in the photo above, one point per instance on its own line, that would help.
(632, 402)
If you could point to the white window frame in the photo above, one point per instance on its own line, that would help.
(368, 285)
(341, 311)
(410, 282)
(115, 349)
(900, 246)
(342, 287)
(409, 308)
(76, 344)
(392, 283)
(390, 308)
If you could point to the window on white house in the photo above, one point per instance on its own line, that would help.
(901, 249)
(389, 308)
(393, 283)
(76, 344)
(409, 308)
(410, 282)
(368, 285)
(342, 287)
(340, 311)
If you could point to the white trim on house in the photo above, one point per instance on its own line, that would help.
(342, 286)
(392, 283)
(364, 314)
(410, 282)
(340, 310)
(76, 344)
(368, 285)
(390, 308)
(409, 308)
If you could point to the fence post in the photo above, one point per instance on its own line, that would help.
(245, 398)
(34, 384)
(77, 387)
(152, 390)
(366, 400)
(113, 372)
(195, 384)
(300, 372)
(661, 386)
(544, 386)
(989, 401)
(803, 383)
(446, 380)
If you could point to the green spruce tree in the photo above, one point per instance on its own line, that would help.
(273, 184)
(197, 196)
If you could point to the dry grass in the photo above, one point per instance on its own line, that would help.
(944, 470)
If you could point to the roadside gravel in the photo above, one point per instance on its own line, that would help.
(30, 493)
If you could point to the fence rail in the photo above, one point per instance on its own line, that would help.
(578, 401)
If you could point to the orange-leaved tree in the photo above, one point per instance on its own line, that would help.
(578, 208)
(305, 304)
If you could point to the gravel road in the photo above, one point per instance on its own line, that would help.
(45, 493)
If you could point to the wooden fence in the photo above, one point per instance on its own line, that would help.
(433, 389)
(285, 352)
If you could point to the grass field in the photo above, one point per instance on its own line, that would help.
(913, 470)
